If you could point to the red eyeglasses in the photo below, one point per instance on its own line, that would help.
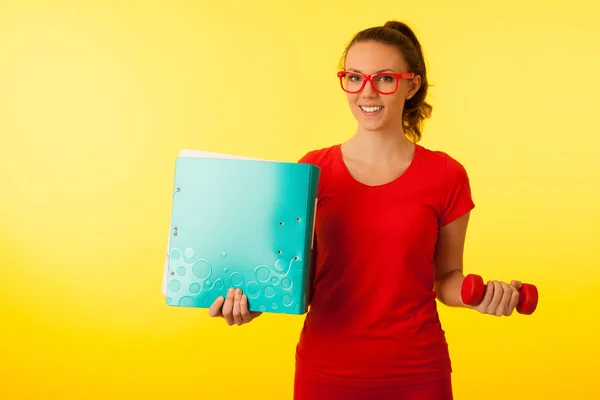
(382, 83)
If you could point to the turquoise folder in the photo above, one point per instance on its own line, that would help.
(241, 223)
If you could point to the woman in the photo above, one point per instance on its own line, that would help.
(390, 230)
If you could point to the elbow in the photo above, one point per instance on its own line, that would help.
(448, 288)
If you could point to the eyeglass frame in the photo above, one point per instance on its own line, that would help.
(370, 77)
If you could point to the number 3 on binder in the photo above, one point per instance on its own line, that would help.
(242, 223)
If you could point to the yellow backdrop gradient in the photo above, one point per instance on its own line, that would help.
(98, 97)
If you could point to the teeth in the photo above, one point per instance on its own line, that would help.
(371, 109)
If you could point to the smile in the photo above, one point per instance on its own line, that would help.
(371, 109)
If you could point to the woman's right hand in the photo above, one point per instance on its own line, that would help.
(233, 308)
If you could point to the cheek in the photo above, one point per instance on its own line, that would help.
(395, 103)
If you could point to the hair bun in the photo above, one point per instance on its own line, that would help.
(405, 30)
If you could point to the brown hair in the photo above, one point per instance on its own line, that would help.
(398, 34)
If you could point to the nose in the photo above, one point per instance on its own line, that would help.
(368, 90)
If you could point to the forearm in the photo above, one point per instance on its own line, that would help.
(448, 289)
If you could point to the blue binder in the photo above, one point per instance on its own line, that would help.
(241, 223)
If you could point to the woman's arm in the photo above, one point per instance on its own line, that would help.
(449, 261)
(500, 298)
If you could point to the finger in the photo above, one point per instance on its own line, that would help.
(228, 308)
(245, 313)
(237, 315)
(516, 284)
(215, 308)
(496, 298)
(503, 307)
(488, 295)
(514, 300)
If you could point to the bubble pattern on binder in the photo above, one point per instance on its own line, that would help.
(242, 224)
(268, 287)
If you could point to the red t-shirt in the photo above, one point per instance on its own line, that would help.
(373, 319)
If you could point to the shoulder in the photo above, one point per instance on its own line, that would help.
(442, 163)
(319, 157)
(327, 160)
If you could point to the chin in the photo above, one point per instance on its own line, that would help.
(371, 125)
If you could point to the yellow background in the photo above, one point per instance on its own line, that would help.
(97, 98)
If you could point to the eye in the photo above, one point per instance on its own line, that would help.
(387, 78)
(354, 77)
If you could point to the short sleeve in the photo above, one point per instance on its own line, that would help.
(456, 199)
(308, 158)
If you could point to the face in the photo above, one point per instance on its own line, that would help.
(372, 110)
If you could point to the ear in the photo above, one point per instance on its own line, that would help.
(414, 85)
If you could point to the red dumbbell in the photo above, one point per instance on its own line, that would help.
(473, 288)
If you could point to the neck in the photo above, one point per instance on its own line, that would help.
(377, 147)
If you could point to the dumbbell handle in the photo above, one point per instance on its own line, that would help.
(473, 288)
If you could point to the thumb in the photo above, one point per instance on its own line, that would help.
(516, 284)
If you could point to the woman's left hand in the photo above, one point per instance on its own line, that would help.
(500, 298)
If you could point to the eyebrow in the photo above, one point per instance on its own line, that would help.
(378, 72)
